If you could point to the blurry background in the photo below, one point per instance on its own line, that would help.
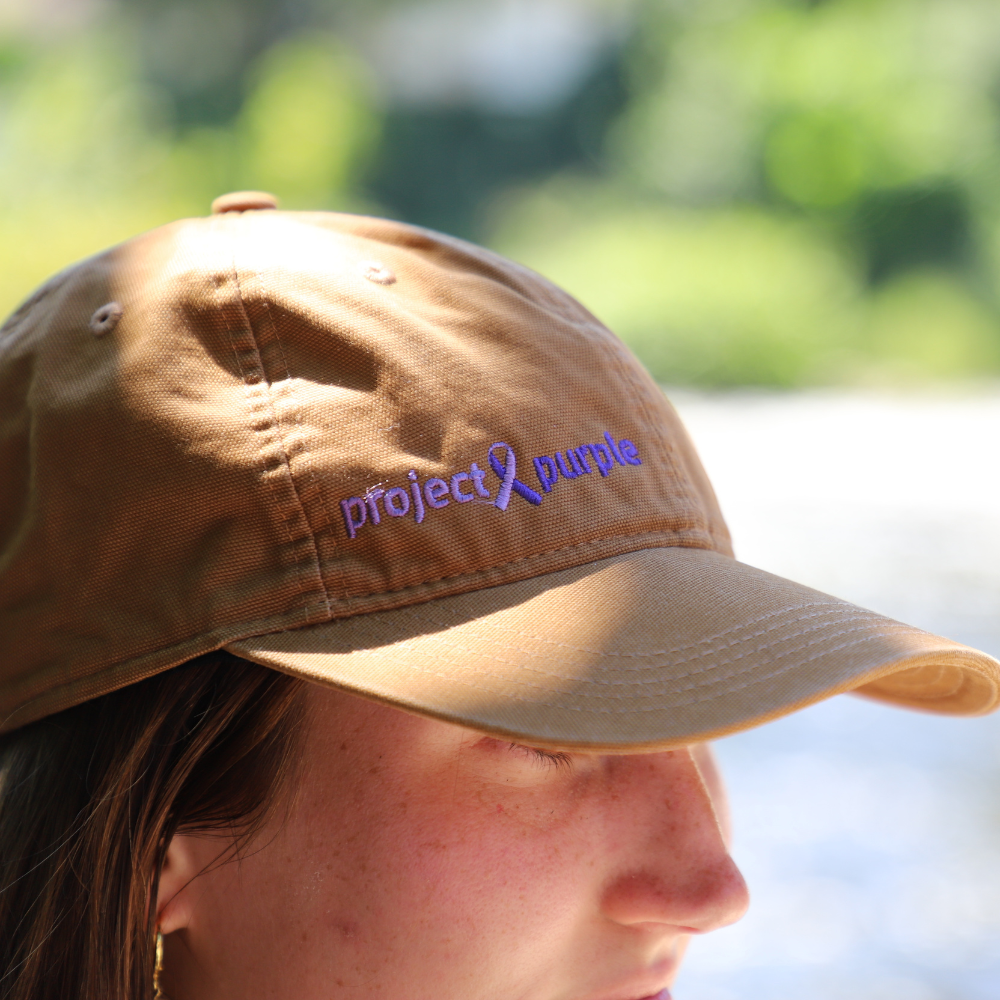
(870, 837)
(765, 192)
(790, 209)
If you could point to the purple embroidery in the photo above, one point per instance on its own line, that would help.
(418, 500)
(391, 496)
(569, 464)
(478, 475)
(602, 457)
(546, 470)
(573, 462)
(561, 462)
(436, 491)
(614, 448)
(373, 496)
(508, 480)
(353, 523)
(460, 497)
(630, 452)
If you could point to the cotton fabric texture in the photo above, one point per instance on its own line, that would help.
(387, 460)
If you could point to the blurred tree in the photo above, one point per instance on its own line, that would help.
(200, 51)
(768, 191)
(306, 124)
(443, 166)
(714, 297)
(91, 151)
(870, 124)
(901, 228)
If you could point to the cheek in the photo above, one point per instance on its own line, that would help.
(450, 877)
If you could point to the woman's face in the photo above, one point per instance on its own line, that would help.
(425, 861)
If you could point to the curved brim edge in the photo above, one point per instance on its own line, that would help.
(645, 651)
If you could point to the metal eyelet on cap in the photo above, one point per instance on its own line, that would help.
(105, 319)
(376, 271)
(243, 201)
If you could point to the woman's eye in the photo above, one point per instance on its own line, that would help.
(552, 758)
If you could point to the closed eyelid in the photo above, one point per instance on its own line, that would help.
(556, 758)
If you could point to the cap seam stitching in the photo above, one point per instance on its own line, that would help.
(216, 638)
(632, 708)
(297, 416)
(309, 536)
(415, 611)
(615, 348)
(682, 536)
(307, 461)
(632, 682)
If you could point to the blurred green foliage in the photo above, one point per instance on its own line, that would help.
(716, 296)
(772, 192)
(91, 152)
(805, 193)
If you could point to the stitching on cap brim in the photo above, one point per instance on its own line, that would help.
(681, 644)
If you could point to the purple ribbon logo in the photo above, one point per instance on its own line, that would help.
(464, 487)
(508, 481)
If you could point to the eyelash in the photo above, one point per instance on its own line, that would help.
(552, 758)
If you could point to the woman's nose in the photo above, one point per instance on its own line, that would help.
(675, 869)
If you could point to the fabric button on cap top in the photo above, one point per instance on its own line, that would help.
(243, 201)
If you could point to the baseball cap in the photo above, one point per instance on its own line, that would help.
(386, 460)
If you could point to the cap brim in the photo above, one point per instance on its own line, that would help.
(648, 650)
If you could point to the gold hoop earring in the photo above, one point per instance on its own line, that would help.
(158, 993)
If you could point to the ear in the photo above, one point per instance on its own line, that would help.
(173, 896)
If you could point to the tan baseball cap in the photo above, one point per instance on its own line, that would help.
(386, 460)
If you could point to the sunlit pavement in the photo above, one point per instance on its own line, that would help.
(870, 836)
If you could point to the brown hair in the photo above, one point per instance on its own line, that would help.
(90, 797)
